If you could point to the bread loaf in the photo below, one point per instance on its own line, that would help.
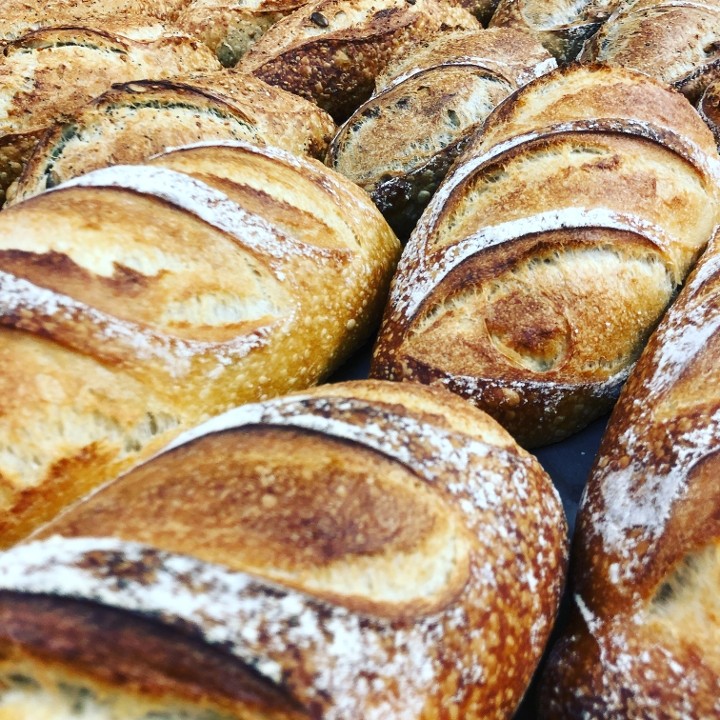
(128, 16)
(562, 26)
(646, 566)
(49, 73)
(133, 121)
(230, 28)
(676, 42)
(549, 253)
(364, 550)
(136, 301)
(399, 144)
(330, 51)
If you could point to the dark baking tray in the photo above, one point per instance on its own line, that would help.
(568, 463)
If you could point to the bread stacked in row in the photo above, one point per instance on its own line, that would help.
(375, 550)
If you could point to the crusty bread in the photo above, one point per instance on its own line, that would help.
(47, 74)
(562, 26)
(646, 567)
(399, 144)
(129, 16)
(133, 121)
(330, 51)
(363, 550)
(708, 108)
(231, 27)
(551, 250)
(676, 41)
(138, 300)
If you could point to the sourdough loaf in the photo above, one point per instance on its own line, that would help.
(138, 300)
(551, 250)
(646, 567)
(363, 550)
(562, 26)
(49, 73)
(133, 121)
(330, 51)
(399, 144)
(231, 27)
(677, 42)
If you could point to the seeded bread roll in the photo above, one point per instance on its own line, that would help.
(675, 41)
(330, 51)
(138, 300)
(646, 567)
(362, 550)
(400, 143)
(562, 26)
(47, 74)
(231, 27)
(550, 252)
(133, 121)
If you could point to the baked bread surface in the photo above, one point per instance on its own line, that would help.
(165, 293)
(646, 558)
(364, 550)
(589, 195)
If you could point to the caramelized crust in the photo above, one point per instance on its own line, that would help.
(647, 549)
(548, 255)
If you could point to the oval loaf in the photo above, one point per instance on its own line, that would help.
(549, 253)
(642, 641)
(138, 300)
(364, 550)
(133, 121)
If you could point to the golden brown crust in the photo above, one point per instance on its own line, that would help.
(330, 51)
(676, 42)
(553, 216)
(133, 121)
(160, 299)
(390, 531)
(646, 555)
(111, 647)
(48, 74)
(400, 143)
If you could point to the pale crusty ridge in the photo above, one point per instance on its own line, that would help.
(578, 198)
(674, 41)
(167, 293)
(339, 654)
(399, 144)
(52, 72)
(133, 121)
(646, 559)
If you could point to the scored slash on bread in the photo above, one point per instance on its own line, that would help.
(552, 249)
(165, 293)
(646, 564)
(330, 51)
(399, 144)
(49, 73)
(133, 121)
(365, 550)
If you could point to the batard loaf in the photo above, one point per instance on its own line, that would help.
(676, 42)
(363, 550)
(646, 568)
(49, 73)
(330, 51)
(133, 121)
(138, 300)
(399, 144)
(231, 27)
(551, 250)
(562, 26)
